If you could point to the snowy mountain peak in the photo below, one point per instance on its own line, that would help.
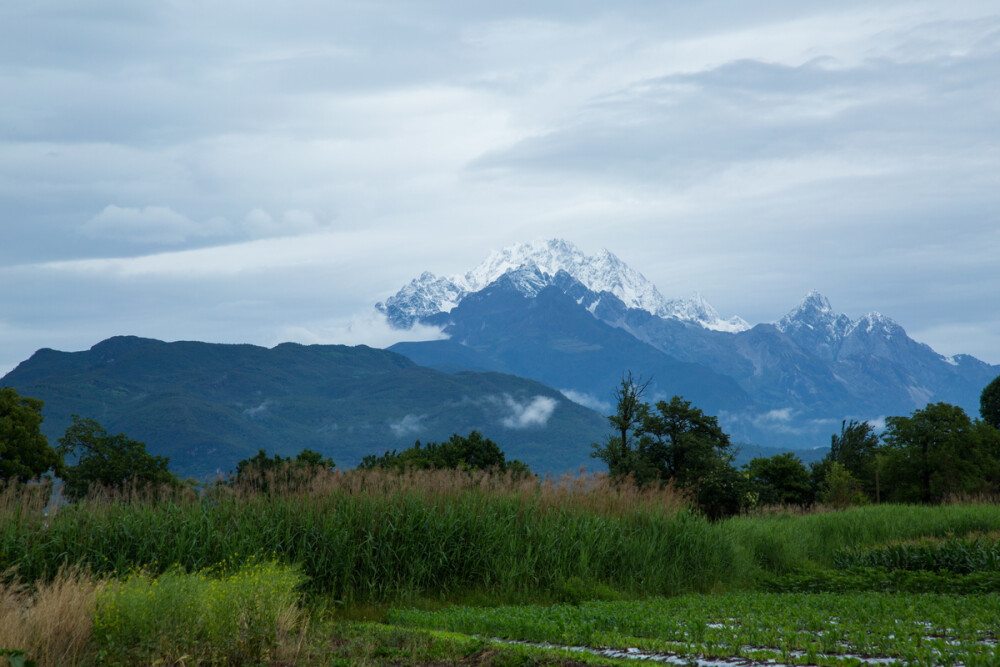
(877, 323)
(813, 306)
(549, 256)
(816, 301)
(814, 325)
(527, 279)
(697, 309)
(603, 272)
(812, 310)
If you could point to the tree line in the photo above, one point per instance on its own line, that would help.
(106, 461)
(936, 453)
(100, 459)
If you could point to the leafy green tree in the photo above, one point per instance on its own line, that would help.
(311, 459)
(262, 463)
(855, 448)
(108, 461)
(840, 489)
(940, 451)
(471, 452)
(25, 453)
(279, 473)
(989, 403)
(723, 491)
(683, 443)
(672, 442)
(817, 475)
(622, 450)
(781, 479)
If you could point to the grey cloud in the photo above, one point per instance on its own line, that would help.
(259, 223)
(150, 224)
(862, 161)
(682, 128)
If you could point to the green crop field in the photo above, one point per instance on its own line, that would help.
(438, 568)
(788, 628)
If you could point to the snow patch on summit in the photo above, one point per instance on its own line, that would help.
(531, 267)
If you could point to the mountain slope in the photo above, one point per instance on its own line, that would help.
(206, 406)
(552, 338)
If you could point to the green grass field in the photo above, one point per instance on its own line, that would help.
(427, 568)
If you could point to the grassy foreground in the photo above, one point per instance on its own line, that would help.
(367, 567)
(379, 536)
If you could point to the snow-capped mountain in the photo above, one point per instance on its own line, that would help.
(815, 326)
(832, 336)
(585, 319)
(815, 317)
(538, 263)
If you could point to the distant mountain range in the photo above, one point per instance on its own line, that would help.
(548, 312)
(207, 406)
(538, 337)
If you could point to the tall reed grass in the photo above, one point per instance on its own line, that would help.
(785, 543)
(381, 535)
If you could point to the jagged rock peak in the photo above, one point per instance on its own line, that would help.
(527, 279)
(603, 272)
(815, 317)
(876, 322)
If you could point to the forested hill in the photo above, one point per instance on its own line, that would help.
(207, 406)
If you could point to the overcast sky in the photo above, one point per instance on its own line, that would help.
(266, 171)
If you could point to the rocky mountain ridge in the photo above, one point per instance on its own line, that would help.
(429, 294)
(787, 383)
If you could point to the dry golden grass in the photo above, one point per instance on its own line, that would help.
(595, 493)
(22, 502)
(52, 623)
(591, 492)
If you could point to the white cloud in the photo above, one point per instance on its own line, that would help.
(408, 425)
(534, 413)
(150, 224)
(369, 328)
(587, 400)
(258, 410)
(735, 148)
(878, 423)
(257, 256)
(778, 415)
(778, 421)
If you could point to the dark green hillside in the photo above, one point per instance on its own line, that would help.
(206, 406)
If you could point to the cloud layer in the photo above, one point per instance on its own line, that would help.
(164, 167)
